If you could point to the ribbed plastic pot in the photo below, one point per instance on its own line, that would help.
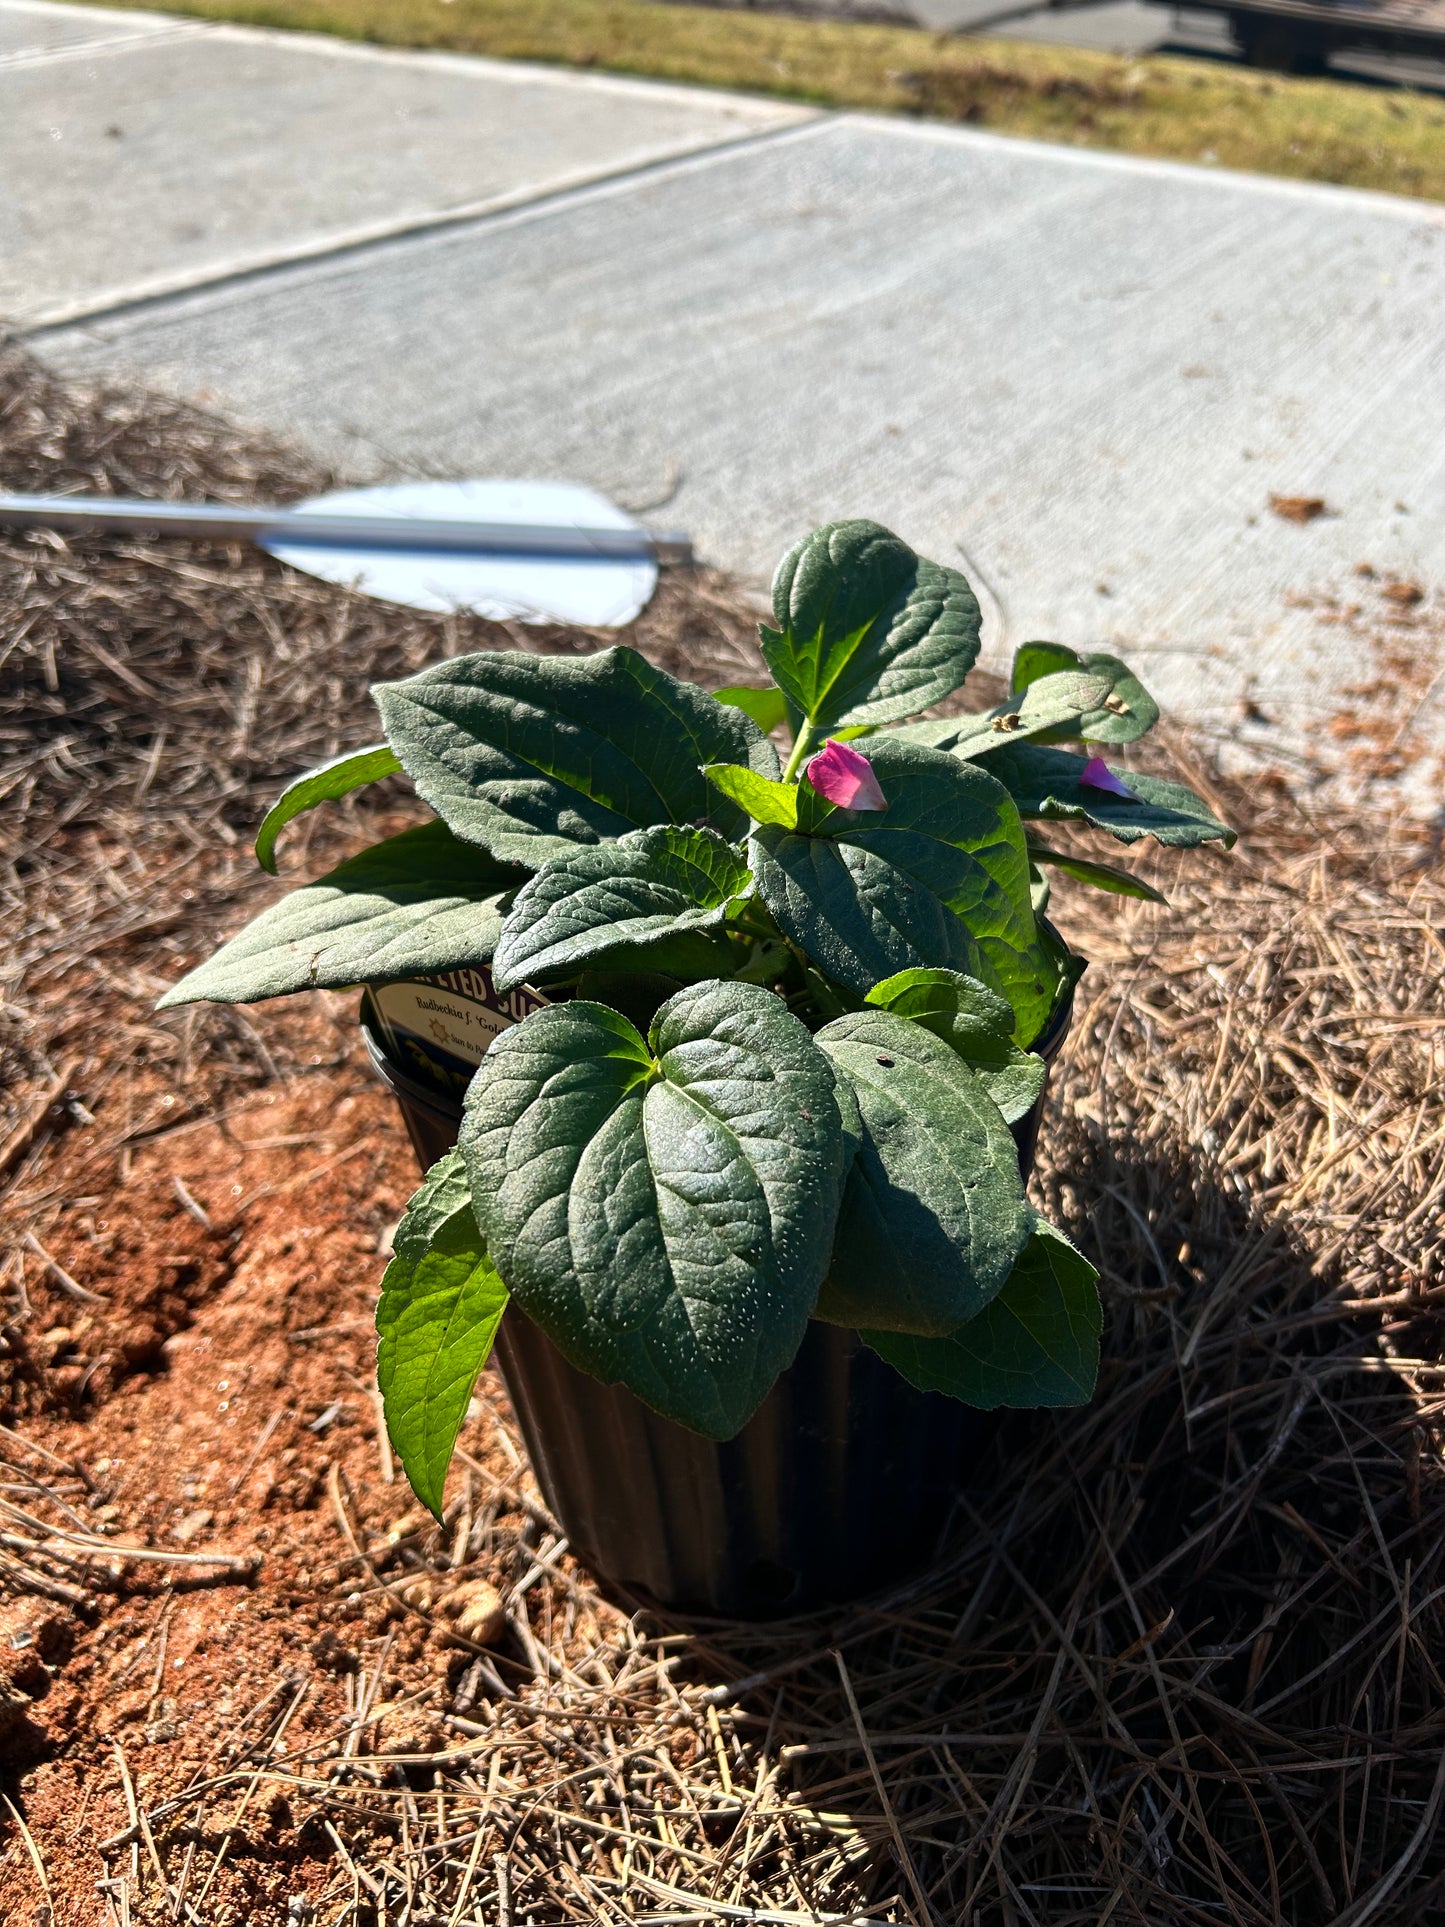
(842, 1481)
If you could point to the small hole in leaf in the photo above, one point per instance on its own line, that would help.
(886, 1062)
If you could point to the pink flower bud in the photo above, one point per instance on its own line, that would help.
(1098, 776)
(845, 778)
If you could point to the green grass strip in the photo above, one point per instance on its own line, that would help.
(1175, 109)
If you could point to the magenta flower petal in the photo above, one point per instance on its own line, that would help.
(845, 778)
(1098, 776)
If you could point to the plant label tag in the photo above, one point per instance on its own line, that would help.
(439, 1028)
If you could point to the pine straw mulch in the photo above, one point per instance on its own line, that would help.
(1177, 1663)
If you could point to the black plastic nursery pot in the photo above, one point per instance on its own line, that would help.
(842, 1481)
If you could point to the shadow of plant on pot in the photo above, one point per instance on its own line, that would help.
(732, 1051)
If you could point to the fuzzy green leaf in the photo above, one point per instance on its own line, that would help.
(1103, 876)
(933, 1213)
(764, 800)
(1125, 711)
(531, 755)
(976, 1024)
(941, 878)
(768, 707)
(662, 1208)
(646, 885)
(1036, 1344)
(1056, 705)
(441, 1303)
(337, 778)
(868, 632)
(1045, 783)
(419, 902)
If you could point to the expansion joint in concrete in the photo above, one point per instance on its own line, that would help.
(382, 236)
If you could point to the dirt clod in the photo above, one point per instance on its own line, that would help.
(476, 1611)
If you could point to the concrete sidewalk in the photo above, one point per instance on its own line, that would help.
(142, 155)
(1081, 375)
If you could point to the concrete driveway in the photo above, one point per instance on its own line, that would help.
(1082, 375)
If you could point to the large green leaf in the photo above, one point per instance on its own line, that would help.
(867, 630)
(419, 902)
(1057, 704)
(1125, 711)
(663, 1208)
(648, 884)
(976, 1024)
(531, 755)
(940, 877)
(441, 1303)
(933, 1213)
(337, 778)
(1045, 783)
(1036, 1344)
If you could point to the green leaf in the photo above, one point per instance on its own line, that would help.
(639, 991)
(1055, 706)
(768, 707)
(532, 755)
(1125, 711)
(648, 884)
(941, 877)
(1045, 783)
(337, 778)
(933, 1213)
(1103, 876)
(441, 1303)
(764, 800)
(684, 956)
(1033, 660)
(867, 631)
(1036, 1344)
(663, 1208)
(419, 902)
(976, 1024)
(1069, 966)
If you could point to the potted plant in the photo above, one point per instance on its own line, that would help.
(745, 1054)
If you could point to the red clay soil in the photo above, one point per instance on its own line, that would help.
(219, 1398)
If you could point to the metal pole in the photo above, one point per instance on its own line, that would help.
(217, 522)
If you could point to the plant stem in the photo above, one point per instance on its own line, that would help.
(802, 750)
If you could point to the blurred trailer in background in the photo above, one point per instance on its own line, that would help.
(1298, 36)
